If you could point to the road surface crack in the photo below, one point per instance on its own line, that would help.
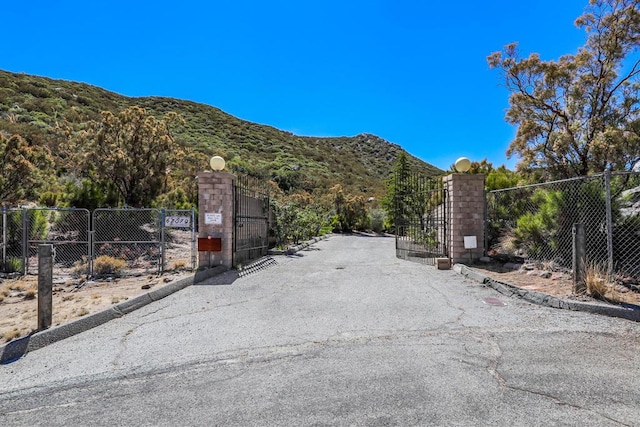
(493, 369)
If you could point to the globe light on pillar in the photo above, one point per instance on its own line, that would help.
(462, 164)
(217, 163)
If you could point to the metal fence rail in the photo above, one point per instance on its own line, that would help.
(536, 221)
(143, 240)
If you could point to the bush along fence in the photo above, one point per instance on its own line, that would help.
(121, 241)
(536, 222)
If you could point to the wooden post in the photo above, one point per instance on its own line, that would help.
(45, 286)
(579, 253)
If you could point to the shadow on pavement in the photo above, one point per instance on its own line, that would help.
(374, 235)
(14, 350)
(225, 278)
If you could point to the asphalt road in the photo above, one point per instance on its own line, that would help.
(340, 334)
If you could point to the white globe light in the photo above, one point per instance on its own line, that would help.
(462, 164)
(217, 163)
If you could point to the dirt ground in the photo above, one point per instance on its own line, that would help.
(72, 298)
(547, 281)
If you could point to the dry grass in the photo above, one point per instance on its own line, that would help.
(81, 268)
(507, 244)
(18, 313)
(599, 287)
(177, 265)
(11, 335)
(106, 265)
(560, 284)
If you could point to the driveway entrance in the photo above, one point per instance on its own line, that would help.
(343, 333)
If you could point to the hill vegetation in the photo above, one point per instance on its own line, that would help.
(48, 114)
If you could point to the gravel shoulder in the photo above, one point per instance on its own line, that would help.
(72, 299)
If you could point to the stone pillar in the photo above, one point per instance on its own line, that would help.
(465, 215)
(215, 216)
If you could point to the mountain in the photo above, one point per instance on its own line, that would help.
(33, 106)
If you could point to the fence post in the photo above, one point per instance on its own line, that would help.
(163, 215)
(486, 222)
(579, 250)
(25, 242)
(607, 185)
(4, 236)
(45, 284)
(91, 254)
(193, 239)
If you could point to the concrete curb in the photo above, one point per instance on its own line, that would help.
(624, 311)
(17, 348)
(293, 249)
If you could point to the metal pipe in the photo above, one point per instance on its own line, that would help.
(607, 186)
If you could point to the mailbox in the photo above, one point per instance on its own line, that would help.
(209, 244)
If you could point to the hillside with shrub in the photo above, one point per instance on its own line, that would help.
(49, 114)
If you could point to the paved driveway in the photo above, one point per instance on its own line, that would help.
(341, 334)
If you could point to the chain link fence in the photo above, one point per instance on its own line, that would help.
(535, 222)
(13, 243)
(179, 239)
(133, 241)
(625, 230)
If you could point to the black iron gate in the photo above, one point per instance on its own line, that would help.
(420, 217)
(251, 224)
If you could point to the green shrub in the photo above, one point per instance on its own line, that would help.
(377, 218)
(12, 265)
(294, 223)
(536, 231)
(49, 199)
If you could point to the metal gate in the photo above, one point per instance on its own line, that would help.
(420, 217)
(251, 223)
(148, 240)
(130, 235)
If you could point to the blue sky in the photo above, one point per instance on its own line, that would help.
(412, 72)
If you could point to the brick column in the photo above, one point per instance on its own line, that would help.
(215, 196)
(465, 214)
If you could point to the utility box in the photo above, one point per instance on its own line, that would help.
(443, 263)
